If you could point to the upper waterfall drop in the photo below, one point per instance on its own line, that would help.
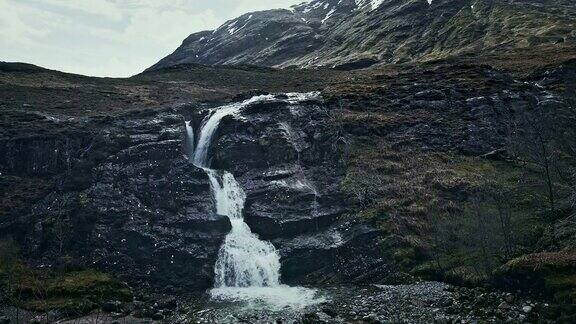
(247, 268)
(210, 125)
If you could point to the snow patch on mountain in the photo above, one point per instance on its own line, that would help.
(374, 4)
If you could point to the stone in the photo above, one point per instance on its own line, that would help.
(371, 318)
(521, 318)
(168, 303)
(504, 306)
(112, 306)
(329, 311)
(158, 316)
(527, 309)
(40, 319)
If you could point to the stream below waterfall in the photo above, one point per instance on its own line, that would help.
(247, 269)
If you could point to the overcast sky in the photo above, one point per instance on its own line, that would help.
(109, 37)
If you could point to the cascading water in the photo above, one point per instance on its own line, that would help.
(189, 139)
(247, 268)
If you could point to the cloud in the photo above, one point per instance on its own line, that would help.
(109, 37)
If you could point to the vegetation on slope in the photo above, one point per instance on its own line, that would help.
(73, 291)
(450, 213)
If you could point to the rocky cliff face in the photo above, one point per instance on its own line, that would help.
(126, 200)
(358, 33)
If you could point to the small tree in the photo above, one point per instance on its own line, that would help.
(532, 140)
(568, 141)
(542, 135)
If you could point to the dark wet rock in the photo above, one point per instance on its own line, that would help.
(356, 64)
(142, 210)
(42, 156)
(112, 306)
(430, 95)
(346, 253)
(168, 303)
(158, 316)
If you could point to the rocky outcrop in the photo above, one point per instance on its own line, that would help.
(42, 156)
(127, 200)
(349, 34)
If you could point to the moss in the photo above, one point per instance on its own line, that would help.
(90, 284)
(263, 142)
(74, 293)
(564, 286)
(457, 267)
(405, 257)
(83, 200)
(552, 272)
(375, 216)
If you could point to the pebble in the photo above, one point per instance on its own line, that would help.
(522, 317)
(158, 317)
(504, 305)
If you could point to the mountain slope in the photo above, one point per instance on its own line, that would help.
(357, 33)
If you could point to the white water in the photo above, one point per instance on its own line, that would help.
(243, 260)
(247, 268)
(189, 139)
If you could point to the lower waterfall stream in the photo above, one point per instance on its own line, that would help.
(247, 268)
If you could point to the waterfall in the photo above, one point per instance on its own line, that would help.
(243, 260)
(247, 268)
(189, 140)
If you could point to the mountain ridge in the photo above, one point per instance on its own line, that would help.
(356, 33)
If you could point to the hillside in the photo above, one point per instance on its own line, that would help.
(353, 33)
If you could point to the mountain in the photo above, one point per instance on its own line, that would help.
(358, 33)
